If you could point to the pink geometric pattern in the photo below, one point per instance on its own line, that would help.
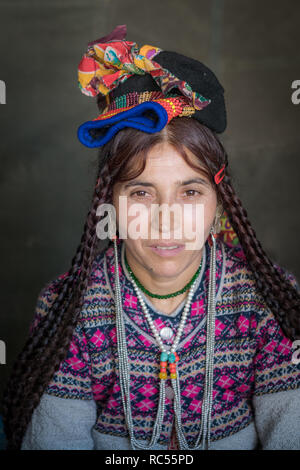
(159, 323)
(243, 324)
(225, 381)
(219, 327)
(285, 346)
(196, 406)
(131, 342)
(138, 320)
(113, 335)
(228, 395)
(146, 405)
(191, 391)
(148, 390)
(130, 301)
(75, 363)
(197, 308)
(97, 338)
(144, 340)
(98, 391)
(73, 348)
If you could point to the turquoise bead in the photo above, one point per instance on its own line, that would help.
(164, 356)
(171, 357)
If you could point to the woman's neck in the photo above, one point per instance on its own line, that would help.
(160, 285)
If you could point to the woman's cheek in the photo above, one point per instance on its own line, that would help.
(138, 219)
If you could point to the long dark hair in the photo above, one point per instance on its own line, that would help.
(122, 159)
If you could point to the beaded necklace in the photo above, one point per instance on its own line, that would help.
(172, 357)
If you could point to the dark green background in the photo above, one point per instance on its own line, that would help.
(47, 175)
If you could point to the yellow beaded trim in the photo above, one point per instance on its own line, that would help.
(178, 110)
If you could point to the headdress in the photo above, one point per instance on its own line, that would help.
(144, 88)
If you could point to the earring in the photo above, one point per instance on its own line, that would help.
(217, 222)
(216, 227)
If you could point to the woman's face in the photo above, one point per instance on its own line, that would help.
(166, 181)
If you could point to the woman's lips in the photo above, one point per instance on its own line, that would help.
(167, 253)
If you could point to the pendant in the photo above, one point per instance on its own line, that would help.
(166, 332)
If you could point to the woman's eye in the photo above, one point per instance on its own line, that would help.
(138, 193)
(192, 191)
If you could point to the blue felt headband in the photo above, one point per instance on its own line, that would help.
(137, 117)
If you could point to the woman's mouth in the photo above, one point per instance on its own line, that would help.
(167, 250)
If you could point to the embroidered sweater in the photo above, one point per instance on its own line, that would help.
(256, 384)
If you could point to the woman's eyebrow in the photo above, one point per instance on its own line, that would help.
(182, 183)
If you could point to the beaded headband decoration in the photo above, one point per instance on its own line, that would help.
(144, 89)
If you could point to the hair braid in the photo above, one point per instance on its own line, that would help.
(280, 295)
(49, 343)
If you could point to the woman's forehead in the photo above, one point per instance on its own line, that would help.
(165, 164)
(166, 154)
(168, 172)
(165, 157)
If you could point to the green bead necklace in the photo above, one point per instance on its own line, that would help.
(167, 296)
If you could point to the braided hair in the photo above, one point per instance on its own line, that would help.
(122, 159)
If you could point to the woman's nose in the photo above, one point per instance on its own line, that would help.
(167, 217)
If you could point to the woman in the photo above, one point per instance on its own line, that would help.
(158, 341)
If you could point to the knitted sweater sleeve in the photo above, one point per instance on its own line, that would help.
(276, 396)
(66, 412)
(61, 424)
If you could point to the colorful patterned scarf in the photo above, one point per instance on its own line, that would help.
(111, 60)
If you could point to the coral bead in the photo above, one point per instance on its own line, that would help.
(163, 363)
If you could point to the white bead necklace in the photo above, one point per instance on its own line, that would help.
(124, 367)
